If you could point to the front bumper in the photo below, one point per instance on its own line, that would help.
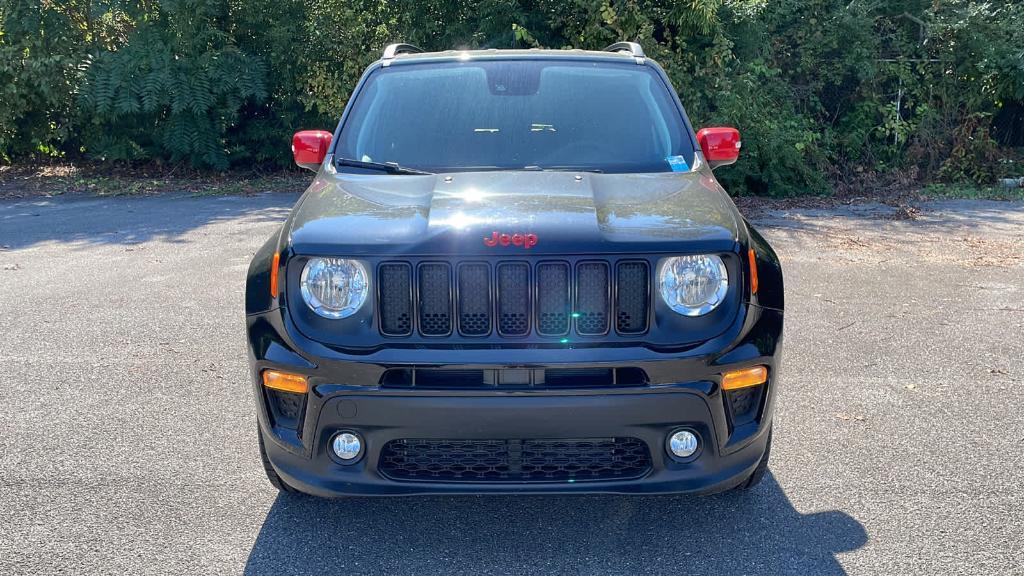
(683, 392)
(649, 417)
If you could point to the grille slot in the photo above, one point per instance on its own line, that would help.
(474, 299)
(592, 286)
(435, 299)
(552, 298)
(632, 297)
(490, 378)
(513, 298)
(554, 460)
(579, 377)
(395, 299)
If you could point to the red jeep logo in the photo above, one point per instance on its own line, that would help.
(525, 240)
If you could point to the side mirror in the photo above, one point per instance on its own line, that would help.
(720, 146)
(309, 148)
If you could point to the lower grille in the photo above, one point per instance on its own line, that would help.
(590, 459)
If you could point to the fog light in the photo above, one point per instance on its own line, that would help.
(347, 446)
(683, 444)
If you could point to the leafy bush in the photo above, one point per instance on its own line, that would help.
(37, 77)
(824, 91)
(175, 90)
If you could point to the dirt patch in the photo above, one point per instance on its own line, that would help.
(845, 244)
(906, 205)
(106, 180)
(964, 234)
(975, 251)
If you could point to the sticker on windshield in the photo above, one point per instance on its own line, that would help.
(678, 164)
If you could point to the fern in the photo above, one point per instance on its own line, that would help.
(169, 87)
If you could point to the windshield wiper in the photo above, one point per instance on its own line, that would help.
(389, 167)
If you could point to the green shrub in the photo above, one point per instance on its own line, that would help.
(174, 90)
(823, 91)
(37, 78)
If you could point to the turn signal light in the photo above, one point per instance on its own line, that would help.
(274, 267)
(753, 270)
(744, 378)
(285, 382)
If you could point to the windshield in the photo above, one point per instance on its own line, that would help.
(524, 114)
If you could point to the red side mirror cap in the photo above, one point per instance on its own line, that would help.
(310, 146)
(720, 146)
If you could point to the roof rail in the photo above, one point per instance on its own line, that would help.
(393, 50)
(631, 48)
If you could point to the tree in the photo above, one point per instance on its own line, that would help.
(174, 90)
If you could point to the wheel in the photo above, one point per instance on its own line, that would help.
(755, 478)
(275, 480)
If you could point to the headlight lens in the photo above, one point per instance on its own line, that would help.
(334, 287)
(693, 285)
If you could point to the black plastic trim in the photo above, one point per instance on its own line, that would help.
(418, 300)
(569, 296)
(456, 289)
(609, 311)
(412, 301)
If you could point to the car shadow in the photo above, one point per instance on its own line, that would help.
(91, 221)
(756, 532)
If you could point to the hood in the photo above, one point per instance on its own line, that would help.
(567, 212)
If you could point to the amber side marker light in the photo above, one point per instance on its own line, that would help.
(753, 270)
(273, 274)
(285, 382)
(744, 378)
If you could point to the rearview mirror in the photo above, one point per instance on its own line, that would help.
(720, 146)
(309, 148)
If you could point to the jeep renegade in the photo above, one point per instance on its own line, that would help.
(514, 272)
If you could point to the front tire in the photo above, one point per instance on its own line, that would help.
(275, 480)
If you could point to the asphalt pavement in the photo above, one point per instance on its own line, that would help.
(127, 436)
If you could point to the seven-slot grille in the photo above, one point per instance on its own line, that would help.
(549, 298)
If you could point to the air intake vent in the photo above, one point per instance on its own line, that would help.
(286, 408)
(591, 298)
(744, 405)
(552, 298)
(474, 299)
(395, 299)
(632, 297)
(435, 299)
(513, 298)
(515, 460)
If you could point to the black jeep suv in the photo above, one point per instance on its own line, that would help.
(514, 272)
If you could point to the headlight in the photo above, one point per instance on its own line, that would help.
(334, 287)
(693, 285)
